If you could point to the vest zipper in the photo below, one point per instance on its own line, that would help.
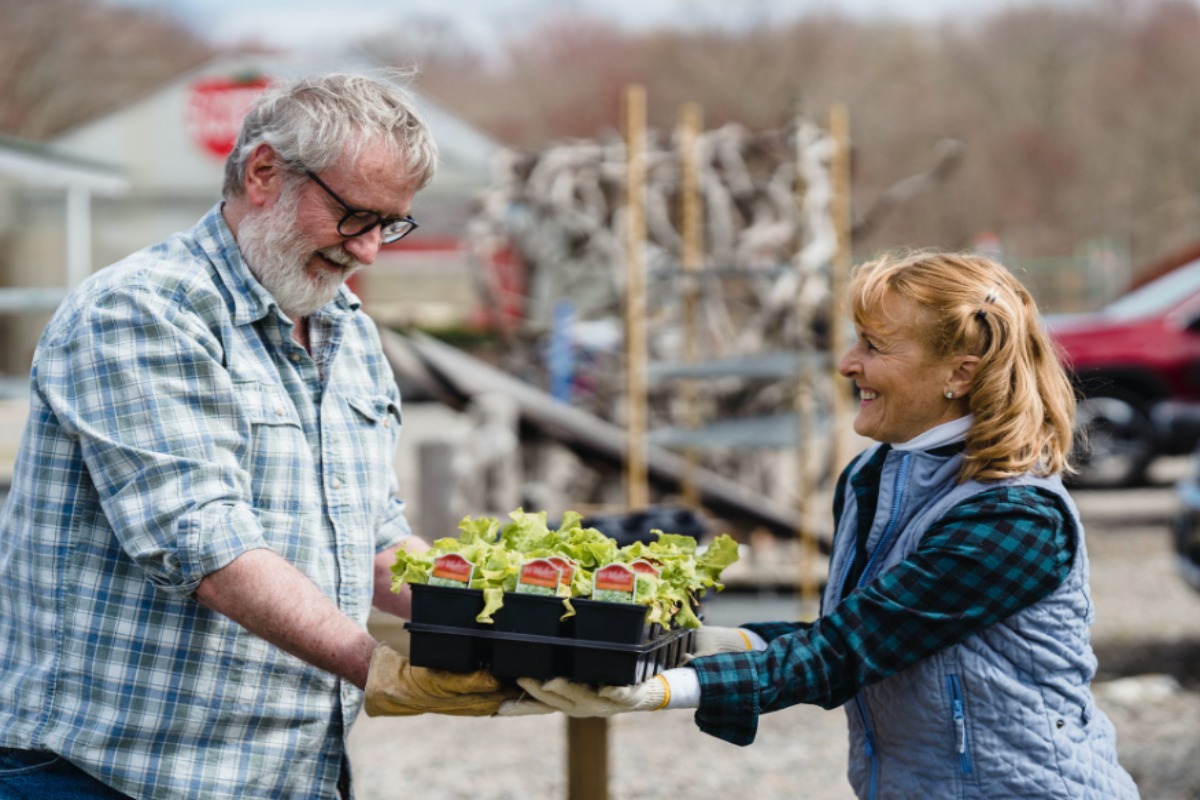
(880, 547)
(868, 745)
(888, 533)
(954, 689)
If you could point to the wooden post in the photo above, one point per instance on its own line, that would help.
(809, 581)
(636, 480)
(839, 130)
(587, 758)
(691, 255)
(587, 738)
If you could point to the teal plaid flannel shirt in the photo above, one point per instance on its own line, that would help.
(985, 560)
(174, 425)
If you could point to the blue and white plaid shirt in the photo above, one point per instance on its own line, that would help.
(174, 425)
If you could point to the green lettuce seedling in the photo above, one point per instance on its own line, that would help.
(499, 549)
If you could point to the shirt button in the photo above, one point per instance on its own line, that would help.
(279, 411)
(387, 422)
(336, 483)
(295, 356)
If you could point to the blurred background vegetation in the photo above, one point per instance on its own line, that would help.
(1080, 123)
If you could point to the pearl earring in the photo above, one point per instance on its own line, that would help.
(949, 394)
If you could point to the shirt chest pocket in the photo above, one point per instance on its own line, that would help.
(372, 432)
(376, 410)
(278, 458)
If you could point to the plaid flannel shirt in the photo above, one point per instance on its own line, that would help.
(173, 426)
(983, 561)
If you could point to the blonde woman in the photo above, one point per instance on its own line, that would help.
(954, 624)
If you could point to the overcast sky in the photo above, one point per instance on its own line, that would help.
(302, 24)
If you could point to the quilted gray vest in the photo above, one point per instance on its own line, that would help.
(1007, 713)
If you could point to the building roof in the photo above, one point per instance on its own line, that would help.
(38, 164)
(161, 138)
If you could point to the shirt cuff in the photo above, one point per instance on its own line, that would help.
(729, 702)
(206, 541)
(684, 686)
(394, 528)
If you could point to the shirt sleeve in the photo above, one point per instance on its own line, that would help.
(393, 527)
(773, 630)
(140, 385)
(985, 560)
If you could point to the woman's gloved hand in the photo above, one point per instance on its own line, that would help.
(710, 640)
(524, 706)
(396, 688)
(581, 700)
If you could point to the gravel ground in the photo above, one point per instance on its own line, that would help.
(1147, 637)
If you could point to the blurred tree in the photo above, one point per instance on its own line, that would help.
(432, 44)
(1080, 121)
(63, 62)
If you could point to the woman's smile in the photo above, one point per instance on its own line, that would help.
(901, 385)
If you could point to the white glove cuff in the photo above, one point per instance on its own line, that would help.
(684, 686)
(756, 642)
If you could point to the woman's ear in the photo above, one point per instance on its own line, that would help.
(962, 376)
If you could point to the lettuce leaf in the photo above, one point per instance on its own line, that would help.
(499, 549)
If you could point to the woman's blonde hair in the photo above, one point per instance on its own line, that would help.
(1021, 397)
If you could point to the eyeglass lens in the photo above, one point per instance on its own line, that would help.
(357, 221)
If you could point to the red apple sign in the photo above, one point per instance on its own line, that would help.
(215, 109)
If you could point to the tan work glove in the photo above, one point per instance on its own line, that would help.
(395, 637)
(710, 640)
(397, 688)
(524, 706)
(581, 700)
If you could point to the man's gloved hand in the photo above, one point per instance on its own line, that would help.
(397, 688)
(581, 700)
(710, 640)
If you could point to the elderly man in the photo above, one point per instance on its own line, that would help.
(204, 503)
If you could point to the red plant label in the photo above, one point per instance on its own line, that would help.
(566, 565)
(539, 576)
(645, 568)
(451, 569)
(615, 578)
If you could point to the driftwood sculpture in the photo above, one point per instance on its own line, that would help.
(769, 239)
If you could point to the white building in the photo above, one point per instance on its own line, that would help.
(167, 152)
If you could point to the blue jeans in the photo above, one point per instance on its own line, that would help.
(42, 775)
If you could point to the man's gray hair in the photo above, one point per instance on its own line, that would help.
(315, 122)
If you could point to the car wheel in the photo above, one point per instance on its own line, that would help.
(1114, 442)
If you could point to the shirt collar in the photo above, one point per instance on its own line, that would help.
(948, 432)
(251, 300)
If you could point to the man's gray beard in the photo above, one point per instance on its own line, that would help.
(277, 254)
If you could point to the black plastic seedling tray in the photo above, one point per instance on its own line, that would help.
(448, 611)
(582, 660)
(603, 643)
(541, 656)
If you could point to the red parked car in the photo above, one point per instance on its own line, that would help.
(1136, 363)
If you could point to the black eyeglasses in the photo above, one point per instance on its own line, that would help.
(357, 221)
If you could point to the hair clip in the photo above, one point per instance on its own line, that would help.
(981, 313)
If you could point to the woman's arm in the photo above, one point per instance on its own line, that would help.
(1003, 551)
